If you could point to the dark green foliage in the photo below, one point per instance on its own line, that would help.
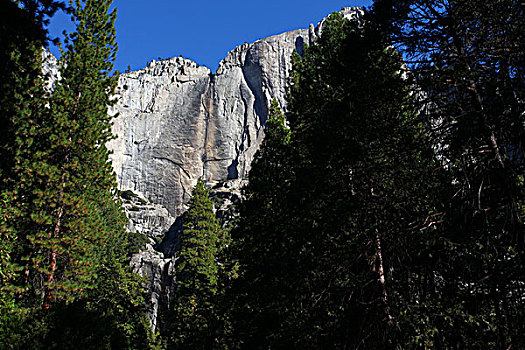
(64, 207)
(110, 316)
(65, 280)
(257, 234)
(82, 326)
(365, 185)
(21, 41)
(364, 237)
(333, 212)
(20, 44)
(468, 56)
(200, 273)
(136, 242)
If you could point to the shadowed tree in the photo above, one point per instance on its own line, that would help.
(199, 272)
(468, 57)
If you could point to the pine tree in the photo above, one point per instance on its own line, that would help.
(365, 176)
(198, 274)
(257, 234)
(334, 261)
(20, 41)
(63, 181)
(65, 251)
(468, 56)
(22, 38)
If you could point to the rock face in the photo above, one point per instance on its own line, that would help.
(50, 70)
(176, 121)
(161, 130)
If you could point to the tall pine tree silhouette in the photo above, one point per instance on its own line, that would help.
(469, 59)
(326, 237)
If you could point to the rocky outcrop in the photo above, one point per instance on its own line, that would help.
(151, 263)
(147, 218)
(50, 70)
(161, 128)
(176, 121)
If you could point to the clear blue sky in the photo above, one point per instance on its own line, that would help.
(204, 30)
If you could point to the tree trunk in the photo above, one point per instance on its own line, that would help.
(48, 294)
(382, 279)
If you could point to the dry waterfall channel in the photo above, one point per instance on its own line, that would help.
(177, 121)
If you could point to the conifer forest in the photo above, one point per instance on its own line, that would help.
(384, 208)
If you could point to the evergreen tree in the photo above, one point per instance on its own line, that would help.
(63, 176)
(7, 272)
(365, 186)
(198, 274)
(258, 234)
(468, 56)
(22, 38)
(20, 41)
(65, 252)
(334, 253)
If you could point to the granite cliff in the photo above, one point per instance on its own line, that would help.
(176, 121)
